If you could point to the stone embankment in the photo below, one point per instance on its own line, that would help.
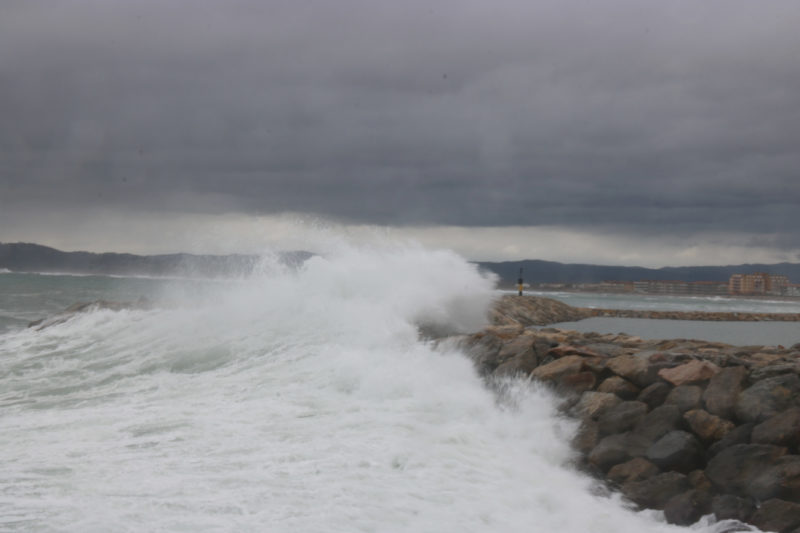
(536, 311)
(684, 426)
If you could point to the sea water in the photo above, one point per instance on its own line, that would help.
(295, 401)
(763, 333)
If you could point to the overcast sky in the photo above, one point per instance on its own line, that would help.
(618, 132)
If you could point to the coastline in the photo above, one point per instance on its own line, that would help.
(687, 427)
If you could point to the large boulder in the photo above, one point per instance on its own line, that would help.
(659, 422)
(655, 492)
(723, 390)
(686, 508)
(616, 449)
(637, 469)
(782, 429)
(707, 426)
(633, 368)
(694, 371)
(655, 394)
(594, 404)
(734, 469)
(677, 450)
(767, 398)
(555, 370)
(777, 515)
(619, 386)
(622, 417)
(686, 397)
(731, 507)
(780, 480)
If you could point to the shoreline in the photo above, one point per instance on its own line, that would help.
(687, 427)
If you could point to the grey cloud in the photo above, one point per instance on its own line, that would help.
(668, 117)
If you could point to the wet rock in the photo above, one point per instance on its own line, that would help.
(738, 435)
(594, 404)
(730, 507)
(634, 369)
(782, 429)
(781, 480)
(655, 492)
(571, 364)
(723, 390)
(637, 469)
(655, 394)
(774, 370)
(677, 450)
(616, 449)
(707, 426)
(734, 469)
(692, 372)
(577, 383)
(587, 436)
(659, 422)
(767, 398)
(777, 515)
(621, 387)
(686, 397)
(622, 417)
(686, 508)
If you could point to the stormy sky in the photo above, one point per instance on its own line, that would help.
(621, 132)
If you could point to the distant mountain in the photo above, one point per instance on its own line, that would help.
(26, 257)
(535, 271)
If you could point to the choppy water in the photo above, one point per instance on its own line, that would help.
(296, 402)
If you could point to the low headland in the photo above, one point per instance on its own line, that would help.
(688, 427)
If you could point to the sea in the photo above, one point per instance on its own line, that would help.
(295, 400)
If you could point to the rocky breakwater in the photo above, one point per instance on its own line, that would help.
(684, 426)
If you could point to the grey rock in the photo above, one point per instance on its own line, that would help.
(621, 417)
(677, 450)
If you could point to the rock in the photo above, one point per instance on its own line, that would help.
(677, 450)
(687, 508)
(577, 383)
(686, 397)
(619, 386)
(734, 469)
(621, 417)
(517, 357)
(656, 491)
(781, 480)
(634, 369)
(586, 437)
(637, 469)
(659, 422)
(565, 349)
(707, 426)
(738, 435)
(699, 481)
(594, 404)
(483, 348)
(767, 398)
(655, 394)
(777, 515)
(616, 449)
(782, 429)
(571, 364)
(692, 372)
(534, 311)
(723, 390)
(730, 507)
(774, 370)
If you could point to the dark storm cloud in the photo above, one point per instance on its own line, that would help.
(669, 116)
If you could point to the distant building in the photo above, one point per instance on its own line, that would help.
(758, 283)
(688, 288)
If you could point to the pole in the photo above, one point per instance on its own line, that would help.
(519, 281)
